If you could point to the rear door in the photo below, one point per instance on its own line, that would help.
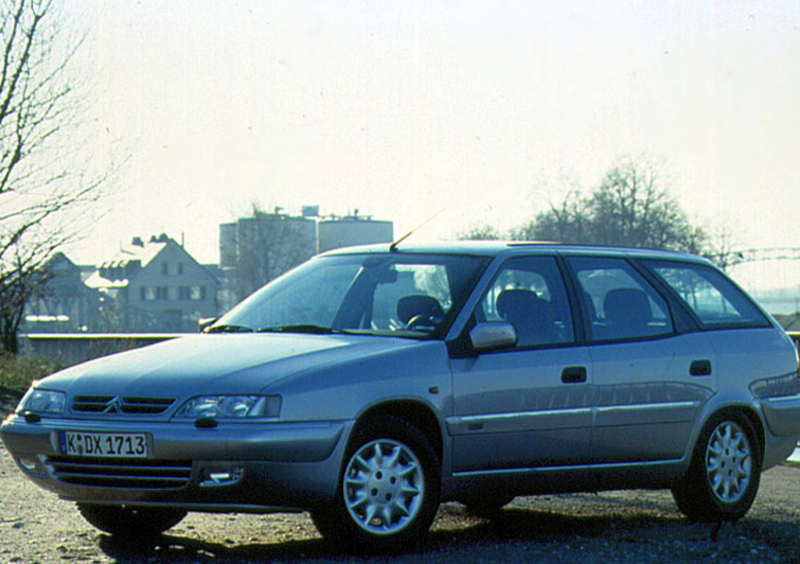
(529, 405)
(650, 380)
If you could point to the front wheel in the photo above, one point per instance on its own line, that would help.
(130, 521)
(388, 490)
(725, 472)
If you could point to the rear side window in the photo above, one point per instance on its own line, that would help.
(620, 303)
(714, 299)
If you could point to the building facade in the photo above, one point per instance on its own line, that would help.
(254, 250)
(154, 286)
(64, 304)
(352, 230)
(257, 249)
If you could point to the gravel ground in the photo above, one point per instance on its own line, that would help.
(624, 527)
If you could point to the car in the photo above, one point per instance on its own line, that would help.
(371, 384)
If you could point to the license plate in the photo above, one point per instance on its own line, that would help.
(105, 445)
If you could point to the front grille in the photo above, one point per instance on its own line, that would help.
(126, 405)
(121, 473)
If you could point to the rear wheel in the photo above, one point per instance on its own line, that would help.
(725, 471)
(131, 521)
(388, 490)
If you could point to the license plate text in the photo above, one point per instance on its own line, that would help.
(117, 445)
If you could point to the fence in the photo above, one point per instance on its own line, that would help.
(67, 349)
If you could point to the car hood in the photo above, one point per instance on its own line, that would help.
(215, 363)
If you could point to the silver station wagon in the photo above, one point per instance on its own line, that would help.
(370, 384)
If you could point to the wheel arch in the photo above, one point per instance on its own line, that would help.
(742, 410)
(418, 428)
(698, 493)
(413, 412)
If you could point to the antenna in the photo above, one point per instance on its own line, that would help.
(393, 246)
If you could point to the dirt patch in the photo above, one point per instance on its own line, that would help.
(641, 527)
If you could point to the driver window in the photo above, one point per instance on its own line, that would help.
(416, 299)
(529, 293)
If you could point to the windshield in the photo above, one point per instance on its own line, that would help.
(413, 295)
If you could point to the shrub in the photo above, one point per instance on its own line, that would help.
(18, 371)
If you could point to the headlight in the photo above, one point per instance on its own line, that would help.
(38, 400)
(230, 407)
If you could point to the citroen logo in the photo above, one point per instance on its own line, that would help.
(113, 406)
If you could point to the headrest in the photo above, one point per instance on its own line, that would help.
(510, 301)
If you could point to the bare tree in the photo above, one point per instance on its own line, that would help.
(631, 207)
(722, 249)
(267, 245)
(480, 232)
(565, 222)
(39, 108)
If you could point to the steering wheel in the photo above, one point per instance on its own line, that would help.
(423, 321)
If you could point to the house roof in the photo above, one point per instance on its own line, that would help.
(135, 253)
(113, 273)
(141, 254)
(97, 282)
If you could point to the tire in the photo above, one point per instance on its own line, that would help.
(725, 471)
(130, 521)
(486, 505)
(388, 491)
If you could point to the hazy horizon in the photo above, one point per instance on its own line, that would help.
(487, 110)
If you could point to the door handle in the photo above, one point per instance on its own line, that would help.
(700, 368)
(574, 375)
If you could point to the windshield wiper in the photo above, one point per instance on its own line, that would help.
(228, 329)
(300, 328)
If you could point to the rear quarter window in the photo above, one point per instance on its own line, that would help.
(713, 298)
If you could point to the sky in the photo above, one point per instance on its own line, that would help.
(484, 112)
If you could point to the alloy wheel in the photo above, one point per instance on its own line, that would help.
(729, 462)
(384, 486)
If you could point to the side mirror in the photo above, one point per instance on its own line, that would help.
(205, 322)
(493, 335)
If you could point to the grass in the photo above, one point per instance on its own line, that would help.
(18, 371)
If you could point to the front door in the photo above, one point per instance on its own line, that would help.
(530, 405)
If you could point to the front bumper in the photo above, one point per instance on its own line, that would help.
(247, 467)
